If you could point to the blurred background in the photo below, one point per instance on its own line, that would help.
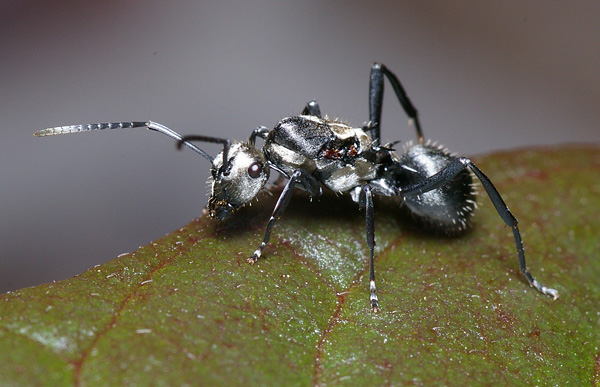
(484, 76)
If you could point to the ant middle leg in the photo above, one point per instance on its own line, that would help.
(366, 201)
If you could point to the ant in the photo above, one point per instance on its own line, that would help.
(313, 152)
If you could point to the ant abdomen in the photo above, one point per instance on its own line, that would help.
(446, 209)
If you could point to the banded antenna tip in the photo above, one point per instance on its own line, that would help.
(89, 127)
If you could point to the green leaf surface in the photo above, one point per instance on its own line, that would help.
(188, 309)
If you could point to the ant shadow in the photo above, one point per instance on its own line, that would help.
(329, 208)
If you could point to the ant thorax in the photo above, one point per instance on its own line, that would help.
(338, 155)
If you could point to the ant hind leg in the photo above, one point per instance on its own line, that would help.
(450, 171)
(378, 71)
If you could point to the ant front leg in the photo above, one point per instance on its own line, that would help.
(312, 109)
(300, 176)
(451, 170)
(378, 71)
(261, 131)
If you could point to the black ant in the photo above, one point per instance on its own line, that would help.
(312, 152)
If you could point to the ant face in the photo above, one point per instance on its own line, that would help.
(237, 182)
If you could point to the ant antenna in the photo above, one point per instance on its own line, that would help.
(124, 125)
(225, 167)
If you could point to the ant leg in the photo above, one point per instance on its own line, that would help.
(378, 70)
(452, 169)
(366, 200)
(261, 131)
(300, 176)
(312, 109)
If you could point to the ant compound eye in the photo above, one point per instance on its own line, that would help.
(255, 169)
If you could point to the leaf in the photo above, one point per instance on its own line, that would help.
(188, 309)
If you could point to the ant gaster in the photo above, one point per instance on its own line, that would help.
(314, 152)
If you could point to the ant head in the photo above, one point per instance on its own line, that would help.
(237, 181)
